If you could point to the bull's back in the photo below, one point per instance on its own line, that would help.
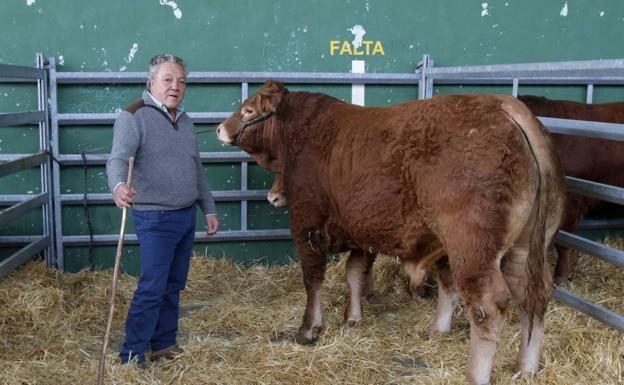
(409, 160)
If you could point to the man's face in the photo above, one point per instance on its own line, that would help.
(169, 85)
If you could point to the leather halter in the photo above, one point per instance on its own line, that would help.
(250, 123)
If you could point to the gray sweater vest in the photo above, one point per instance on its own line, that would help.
(168, 174)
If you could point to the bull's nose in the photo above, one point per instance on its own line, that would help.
(218, 130)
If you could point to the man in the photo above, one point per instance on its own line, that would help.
(168, 181)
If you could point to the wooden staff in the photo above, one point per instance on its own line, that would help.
(124, 215)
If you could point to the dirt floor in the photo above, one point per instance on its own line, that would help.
(238, 323)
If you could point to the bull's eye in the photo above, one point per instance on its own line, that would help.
(247, 110)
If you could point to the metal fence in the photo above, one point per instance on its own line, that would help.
(21, 204)
(243, 195)
(585, 73)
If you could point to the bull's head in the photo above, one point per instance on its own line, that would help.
(252, 114)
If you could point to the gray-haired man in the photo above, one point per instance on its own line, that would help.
(168, 181)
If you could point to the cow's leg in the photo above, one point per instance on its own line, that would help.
(447, 299)
(416, 273)
(563, 269)
(358, 271)
(485, 296)
(576, 207)
(313, 267)
(416, 269)
(369, 288)
(513, 267)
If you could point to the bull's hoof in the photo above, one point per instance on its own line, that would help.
(435, 334)
(351, 322)
(417, 292)
(562, 280)
(307, 338)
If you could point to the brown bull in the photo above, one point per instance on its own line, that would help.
(472, 175)
(599, 160)
(595, 159)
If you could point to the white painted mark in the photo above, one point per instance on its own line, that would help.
(177, 12)
(564, 10)
(484, 9)
(357, 90)
(61, 60)
(30, 2)
(602, 13)
(133, 51)
(359, 32)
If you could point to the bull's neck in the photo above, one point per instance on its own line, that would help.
(282, 137)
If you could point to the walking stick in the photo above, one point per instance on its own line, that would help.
(111, 308)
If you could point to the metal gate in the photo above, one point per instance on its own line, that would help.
(243, 195)
(21, 204)
(586, 73)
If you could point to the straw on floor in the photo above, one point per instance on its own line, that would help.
(237, 327)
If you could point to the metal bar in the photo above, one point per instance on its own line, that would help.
(594, 68)
(243, 77)
(601, 224)
(243, 203)
(56, 168)
(606, 316)
(206, 157)
(18, 240)
(547, 80)
(608, 254)
(107, 118)
(220, 196)
(599, 130)
(249, 235)
(20, 118)
(13, 72)
(22, 163)
(10, 200)
(596, 190)
(24, 254)
(45, 171)
(22, 208)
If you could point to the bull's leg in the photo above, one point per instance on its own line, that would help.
(485, 296)
(576, 207)
(416, 268)
(447, 299)
(417, 273)
(513, 267)
(313, 266)
(358, 273)
(563, 269)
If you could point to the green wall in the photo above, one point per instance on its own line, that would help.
(261, 35)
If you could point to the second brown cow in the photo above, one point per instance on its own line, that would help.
(595, 159)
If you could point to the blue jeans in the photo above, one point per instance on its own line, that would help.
(166, 241)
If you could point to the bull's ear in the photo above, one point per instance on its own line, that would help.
(273, 91)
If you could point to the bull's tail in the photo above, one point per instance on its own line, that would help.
(539, 282)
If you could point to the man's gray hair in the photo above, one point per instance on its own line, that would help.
(163, 58)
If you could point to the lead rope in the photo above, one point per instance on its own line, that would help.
(85, 205)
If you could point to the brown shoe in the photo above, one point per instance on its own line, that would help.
(167, 353)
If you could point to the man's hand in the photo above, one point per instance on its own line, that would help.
(212, 224)
(123, 196)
